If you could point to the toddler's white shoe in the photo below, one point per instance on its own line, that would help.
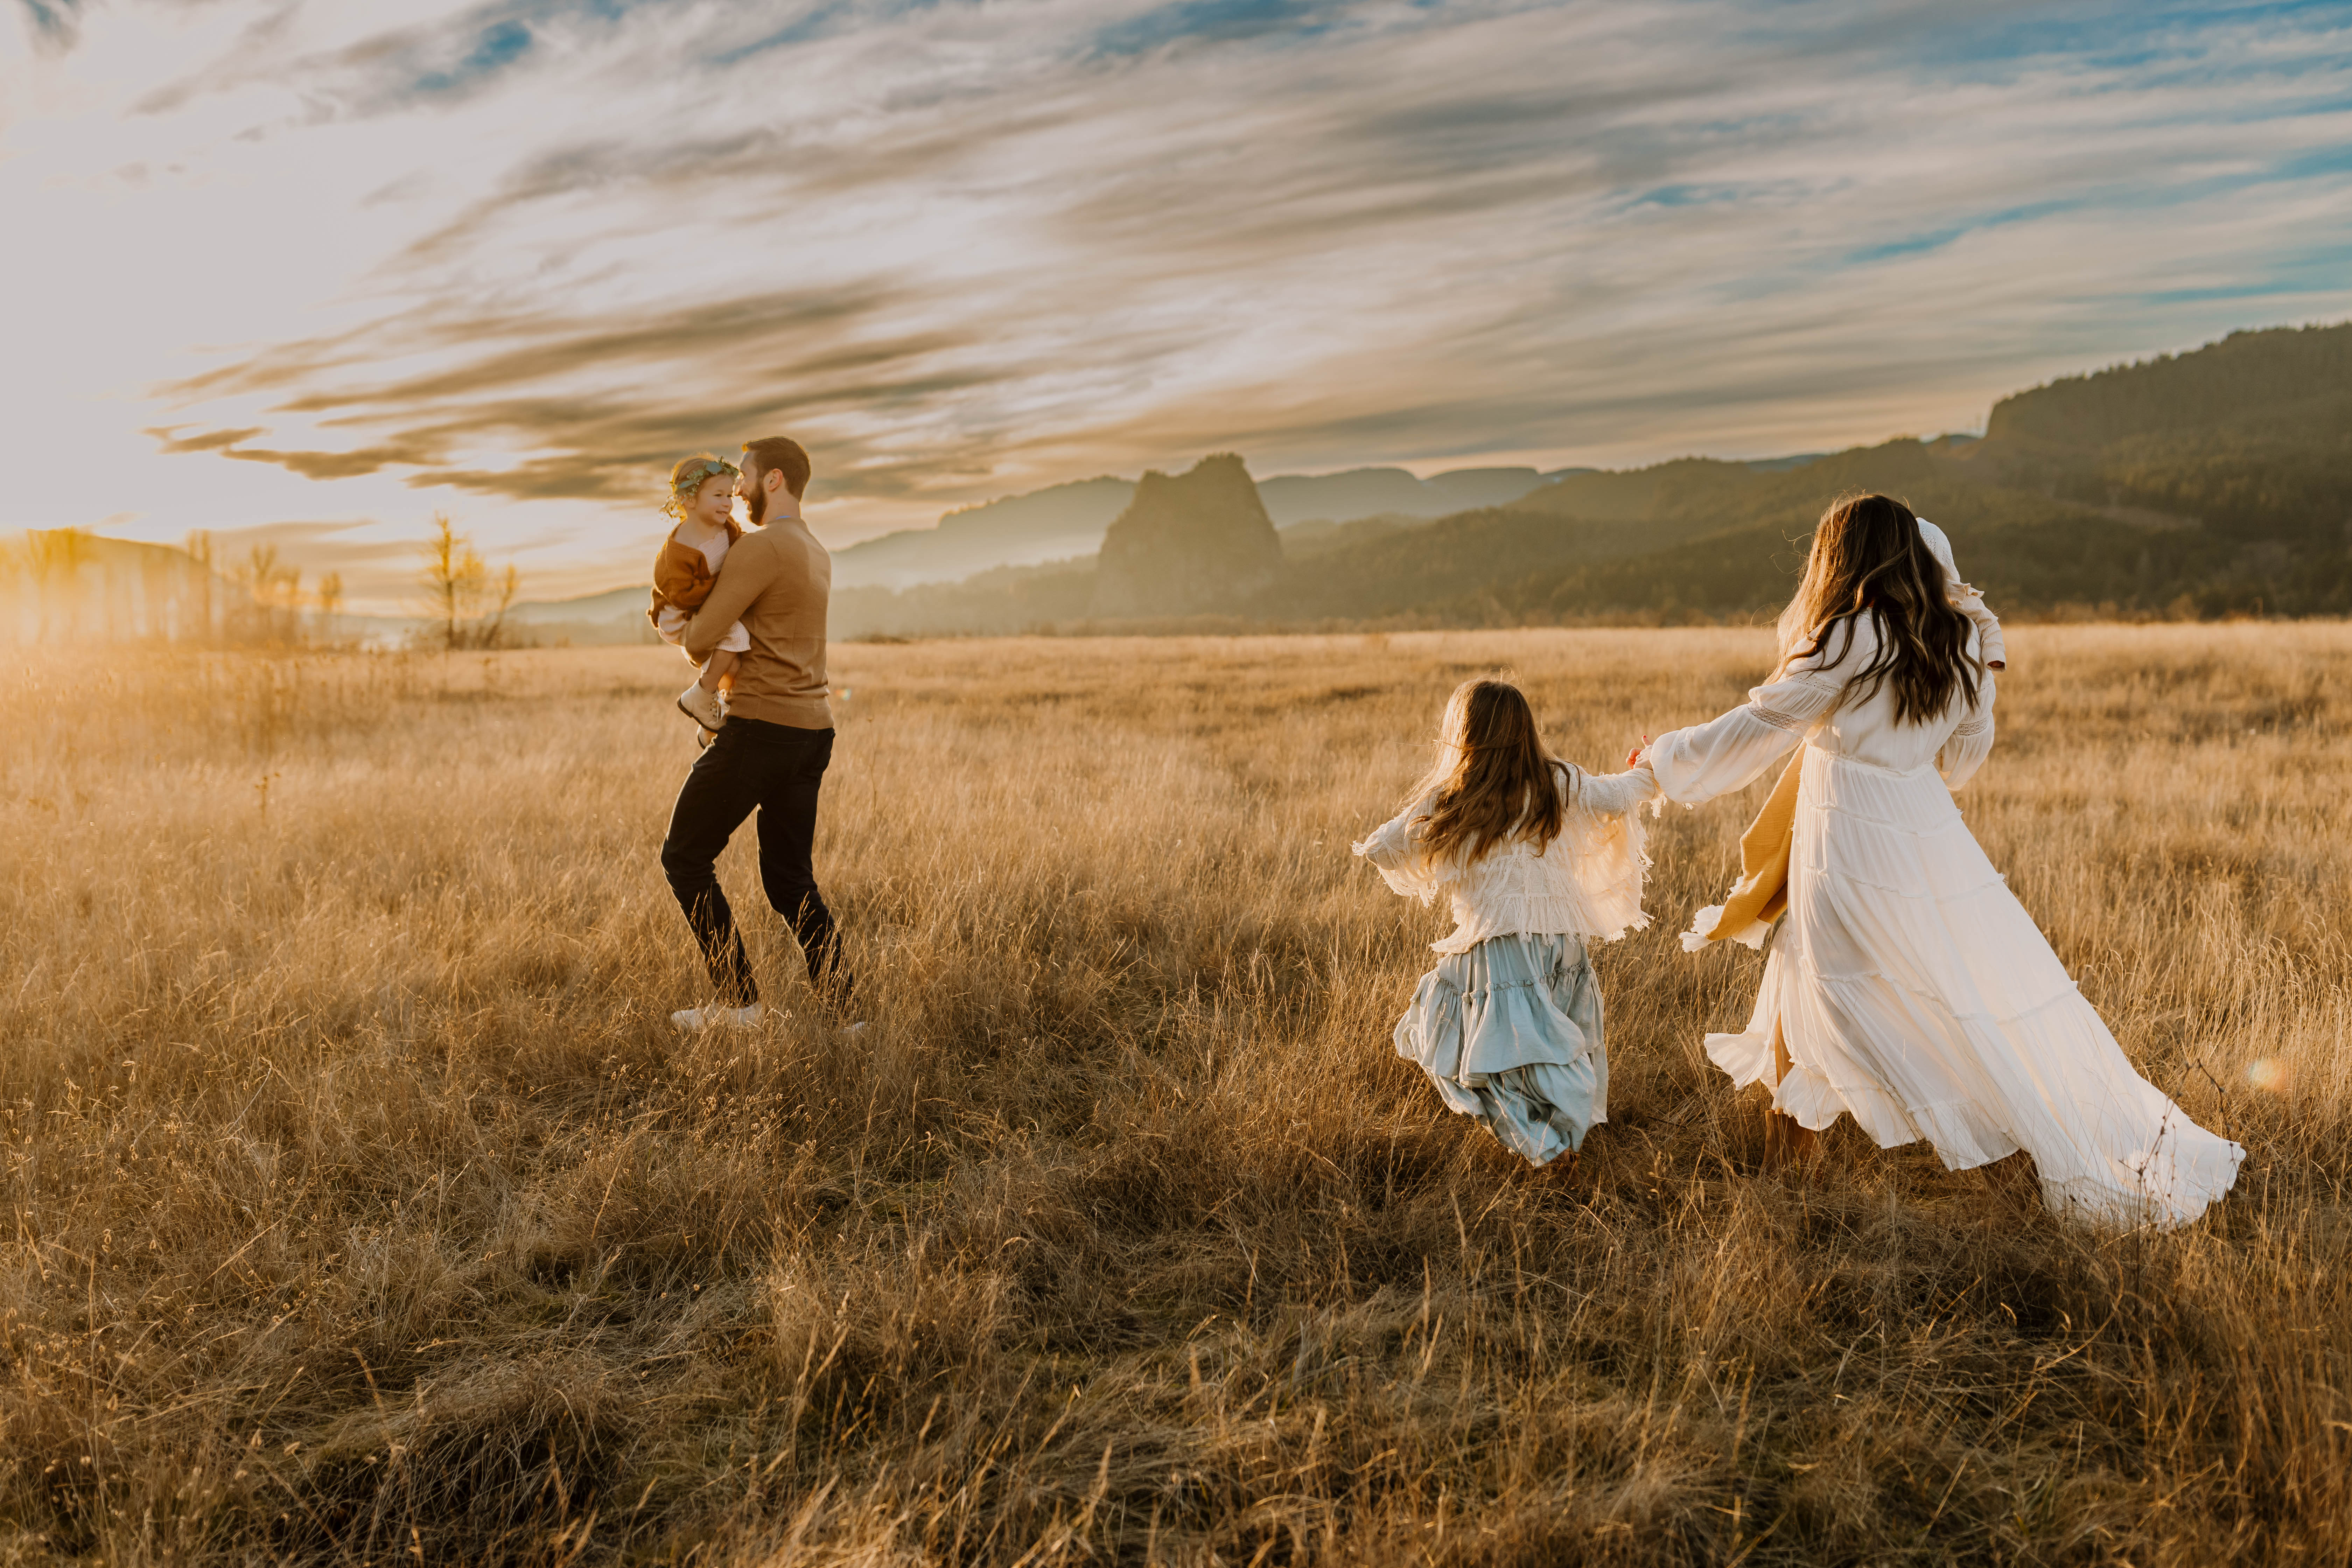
(701, 704)
(718, 1016)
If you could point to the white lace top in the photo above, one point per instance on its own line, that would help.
(1587, 881)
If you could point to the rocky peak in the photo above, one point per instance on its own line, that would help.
(1186, 544)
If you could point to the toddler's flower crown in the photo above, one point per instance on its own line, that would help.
(688, 478)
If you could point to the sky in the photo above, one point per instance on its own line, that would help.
(308, 272)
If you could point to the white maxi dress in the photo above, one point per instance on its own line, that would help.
(1913, 991)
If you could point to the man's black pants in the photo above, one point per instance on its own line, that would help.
(776, 770)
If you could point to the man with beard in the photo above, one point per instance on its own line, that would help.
(770, 754)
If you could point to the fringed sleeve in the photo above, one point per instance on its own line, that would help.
(1611, 850)
(1394, 849)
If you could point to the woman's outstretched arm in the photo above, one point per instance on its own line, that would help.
(1728, 752)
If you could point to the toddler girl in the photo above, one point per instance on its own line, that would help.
(702, 499)
(1536, 855)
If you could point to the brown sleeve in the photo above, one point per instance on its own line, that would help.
(675, 579)
(750, 569)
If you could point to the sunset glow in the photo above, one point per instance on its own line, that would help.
(310, 270)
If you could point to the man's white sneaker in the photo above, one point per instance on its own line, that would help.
(716, 1017)
(701, 704)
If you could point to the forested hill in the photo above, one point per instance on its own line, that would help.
(2212, 482)
(2251, 436)
(2288, 380)
(1715, 539)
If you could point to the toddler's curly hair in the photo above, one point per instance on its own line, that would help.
(687, 477)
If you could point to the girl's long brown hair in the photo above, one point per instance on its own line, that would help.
(1868, 559)
(1494, 778)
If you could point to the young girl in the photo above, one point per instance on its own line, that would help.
(1536, 856)
(702, 499)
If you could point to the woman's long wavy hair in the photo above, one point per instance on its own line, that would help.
(1869, 559)
(1494, 778)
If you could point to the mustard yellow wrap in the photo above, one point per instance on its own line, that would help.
(1761, 894)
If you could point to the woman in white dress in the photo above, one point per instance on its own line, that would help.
(1906, 986)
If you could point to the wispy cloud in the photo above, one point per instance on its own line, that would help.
(524, 254)
(53, 24)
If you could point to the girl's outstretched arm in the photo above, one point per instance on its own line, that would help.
(1394, 849)
(1615, 795)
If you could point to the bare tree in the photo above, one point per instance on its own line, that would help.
(460, 598)
(453, 576)
(331, 601)
(493, 632)
(275, 591)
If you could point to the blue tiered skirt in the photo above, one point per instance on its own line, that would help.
(1510, 1033)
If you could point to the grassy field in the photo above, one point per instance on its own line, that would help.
(362, 1205)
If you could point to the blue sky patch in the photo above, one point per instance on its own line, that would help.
(1214, 21)
(1936, 239)
(499, 45)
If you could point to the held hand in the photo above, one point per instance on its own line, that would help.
(1633, 757)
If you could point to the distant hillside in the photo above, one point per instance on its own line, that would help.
(1591, 544)
(1067, 520)
(2251, 436)
(1018, 531)
(616, 606)
(1370, 493)
(2292, 382)
(2207, 483)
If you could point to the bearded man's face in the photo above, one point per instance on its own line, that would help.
(752, 487)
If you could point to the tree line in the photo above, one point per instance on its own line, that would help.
(68, 583)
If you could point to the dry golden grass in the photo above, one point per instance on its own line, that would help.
(363, 1207)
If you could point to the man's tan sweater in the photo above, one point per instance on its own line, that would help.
(775, 580)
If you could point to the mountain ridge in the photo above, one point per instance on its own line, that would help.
(2163, 487)
(1062, 521)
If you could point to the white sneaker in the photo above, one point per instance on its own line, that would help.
(718, 1016)
(701, 704)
